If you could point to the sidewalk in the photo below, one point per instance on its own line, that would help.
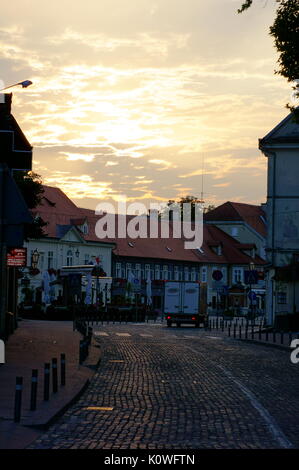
(34, 343)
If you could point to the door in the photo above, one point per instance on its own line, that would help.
(190, 297)
(172, 302)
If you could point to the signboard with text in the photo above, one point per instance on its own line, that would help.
(17, 257)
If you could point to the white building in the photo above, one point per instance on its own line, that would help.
(69, 241)
(281, 147)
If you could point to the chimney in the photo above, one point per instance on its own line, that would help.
(5, 104)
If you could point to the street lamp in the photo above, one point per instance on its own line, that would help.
(24, 84)
(251, 269)
(34, 259)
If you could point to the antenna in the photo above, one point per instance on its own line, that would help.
(202, 175)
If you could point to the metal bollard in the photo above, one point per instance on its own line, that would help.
(54, 375)
(229, 331)
(281, 337)
(62, 369)
(81, 351)
(267, 335)
(240, 331)
(252, 331)
(260, 333)
(33, 396)
(274, 336)
(18, 399)
(89, 335)
(246, 331)
(46, 381)
(235, 328)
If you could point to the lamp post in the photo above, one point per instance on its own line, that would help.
(24, 84)
(34, 259)
(251, 269)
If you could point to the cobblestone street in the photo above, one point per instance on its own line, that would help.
(181, 388)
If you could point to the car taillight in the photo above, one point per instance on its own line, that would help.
(193, 318)
(169, 317)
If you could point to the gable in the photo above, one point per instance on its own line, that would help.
(70, 234)
(287, 131)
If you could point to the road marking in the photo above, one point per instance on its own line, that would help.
(273, 426)
(146, 336)
(116, 360)
(123, 334)
(213, 337)
(100, 333)
(98, 408)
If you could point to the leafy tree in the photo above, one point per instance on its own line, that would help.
(30, 185)
(285, 31)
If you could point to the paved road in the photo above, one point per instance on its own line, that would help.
(182, 388)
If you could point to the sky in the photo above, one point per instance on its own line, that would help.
(138, 99)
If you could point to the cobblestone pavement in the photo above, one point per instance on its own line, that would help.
(182, 388)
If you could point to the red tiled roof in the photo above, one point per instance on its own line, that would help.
(237, 211)
(57, 209)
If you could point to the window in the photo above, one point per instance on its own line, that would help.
(186, 274)
(204, 274)
(118, 270)
(157, 272)
(128, 269)
(194, 276)
(165, 272)
(235, 231)
(50, 259)
(147, 271)
(224, 272)
(69, 258)
(86, 258)
(237, 275)
(41, 260)
(176, 273)
(281, 297)
(138, 271)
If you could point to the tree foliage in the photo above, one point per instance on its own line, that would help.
(30, 185)
(285, 32)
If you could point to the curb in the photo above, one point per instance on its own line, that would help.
(263, 343)
(59, 413)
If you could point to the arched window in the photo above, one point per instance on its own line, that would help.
(69, 258)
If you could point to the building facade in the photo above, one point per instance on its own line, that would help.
(281, 147)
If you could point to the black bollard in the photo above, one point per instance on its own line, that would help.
(18, 399)
(81, 351)
(274, 336)
(46, 381)
(260, 333)
(33, 396)
(240, 331)
(281, 337)
(62, 369)
(54, 375)
(229, 331)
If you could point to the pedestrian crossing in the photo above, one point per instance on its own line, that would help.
(142, 335)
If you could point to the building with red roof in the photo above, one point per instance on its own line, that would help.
(72, 237)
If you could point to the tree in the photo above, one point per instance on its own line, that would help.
(30, 185)
(285, 31)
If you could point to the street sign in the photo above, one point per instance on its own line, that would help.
(136, 286)
(217, 275)
(17, 257)
(252, 295)
(251, 277)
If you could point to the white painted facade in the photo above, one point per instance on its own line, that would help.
(281, 147)
(70, 250)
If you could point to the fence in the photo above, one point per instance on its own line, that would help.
(256, 330)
